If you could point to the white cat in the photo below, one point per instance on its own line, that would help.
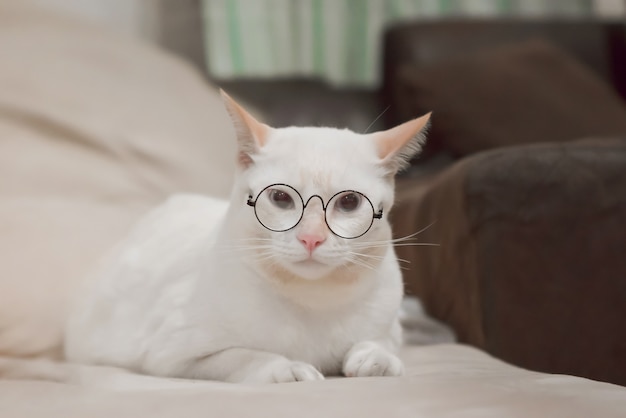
(293, 279)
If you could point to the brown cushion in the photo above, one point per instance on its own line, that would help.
(531, 262)
(521, 93)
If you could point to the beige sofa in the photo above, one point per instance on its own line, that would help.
(94, 130)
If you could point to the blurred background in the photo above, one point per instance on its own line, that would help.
(304, 61)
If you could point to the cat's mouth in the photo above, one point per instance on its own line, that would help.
(309, 262)
(310, 267)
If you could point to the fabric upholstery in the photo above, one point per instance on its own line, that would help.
(520, 93)
(94, 130)
(530, 265)
(441, 381)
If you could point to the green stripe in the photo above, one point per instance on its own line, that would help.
(234, 34)
(272, 51)
(446, 6)
(319, 63)
(360, 37)
(294, 29)
(503, 6)
(393, 12)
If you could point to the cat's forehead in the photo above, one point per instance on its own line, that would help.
(323, 144)
(319, 159)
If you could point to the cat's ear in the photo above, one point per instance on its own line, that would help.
(396, 146)
(251, 134)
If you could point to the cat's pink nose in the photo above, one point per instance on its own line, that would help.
(311, 241)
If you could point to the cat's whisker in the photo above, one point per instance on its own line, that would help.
(399, 239)
(246, 244)
(236, 255)
(376, 257)
(405, 244)
(418, 244)
(354, 258)
(377, 117)
(421, 230)
(385, 242)
(244, 248)
(379, 257)
(230, 255)
(265, 256)
(251, 239)
(361, 263)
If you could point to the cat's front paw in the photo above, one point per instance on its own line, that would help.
(371, 359)
(287, 371)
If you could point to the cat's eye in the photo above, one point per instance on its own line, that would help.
(349, 202)
(281, 199)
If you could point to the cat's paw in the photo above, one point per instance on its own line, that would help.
(288, 371)
(370, 359)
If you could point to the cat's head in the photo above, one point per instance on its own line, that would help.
(313, 202)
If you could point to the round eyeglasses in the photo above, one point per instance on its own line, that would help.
(348, 214)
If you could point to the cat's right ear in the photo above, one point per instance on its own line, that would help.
(251, 134)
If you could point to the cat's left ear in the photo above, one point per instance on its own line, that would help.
(251, 134)
(396, 146)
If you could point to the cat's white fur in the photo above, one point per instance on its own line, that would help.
(199, 289)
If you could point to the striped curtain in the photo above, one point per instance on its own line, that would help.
(335, 40)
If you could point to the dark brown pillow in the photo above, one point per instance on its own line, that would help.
(521, 93)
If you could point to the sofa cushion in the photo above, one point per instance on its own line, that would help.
(519, 93)
(531, 262)
(440, 381)
(94, 130)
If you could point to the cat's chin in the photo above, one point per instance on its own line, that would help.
(310, 269)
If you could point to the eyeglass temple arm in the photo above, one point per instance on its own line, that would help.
(250, 202)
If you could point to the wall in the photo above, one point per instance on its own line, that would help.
(610, 8)
(135, 17)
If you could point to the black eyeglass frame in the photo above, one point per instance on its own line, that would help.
(375, 215)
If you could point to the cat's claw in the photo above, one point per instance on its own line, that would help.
(370, 359)
(288, 371)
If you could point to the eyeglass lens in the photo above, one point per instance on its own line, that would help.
(348, 214)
